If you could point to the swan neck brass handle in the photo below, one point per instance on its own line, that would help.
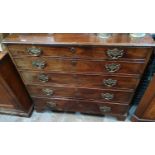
(112, 67)
(48, 91)
(107, 96)
(39, 64)
(115, 53)
(43, 77)
(51, 104)
(105, 109)
(109, 82)
(34, 51)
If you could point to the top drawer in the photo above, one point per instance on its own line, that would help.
(87, 52)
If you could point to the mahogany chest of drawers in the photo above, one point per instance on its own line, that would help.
(80, 72)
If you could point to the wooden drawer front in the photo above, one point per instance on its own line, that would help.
(49, 78)
(80, 106)
(81, 93)
(69, 65)
(80, 80)
(107, 81)
(80, 52)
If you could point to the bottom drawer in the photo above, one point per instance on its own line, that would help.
(83, 106)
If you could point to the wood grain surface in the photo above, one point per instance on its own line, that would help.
(117, 39)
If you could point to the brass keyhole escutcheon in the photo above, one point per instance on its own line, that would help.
(73, 49)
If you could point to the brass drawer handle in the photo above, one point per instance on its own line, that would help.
(115, 53)
(43, 77)
(74, 62)
(48, 91)
(39, 64)
(105, 109)
(51, 104)
(112, 67)
(109, 82)
(34, 51)
(107, 96)
(72, 49)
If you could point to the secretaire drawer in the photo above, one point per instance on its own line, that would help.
(71, 105)
(80, 52)
(81, 93)
(80, 80)
(82, 66)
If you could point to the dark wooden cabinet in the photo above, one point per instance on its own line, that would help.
(146, 108)
(14, 98)
(81, 72)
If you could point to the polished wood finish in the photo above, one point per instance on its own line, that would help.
(14, 96)
(146, 108)
(79, 80)
(81, 93)
(79, 66)
(81, 72)
(85, 52)
(84, 106)
(117, 39)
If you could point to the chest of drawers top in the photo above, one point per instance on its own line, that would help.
(117, 39)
